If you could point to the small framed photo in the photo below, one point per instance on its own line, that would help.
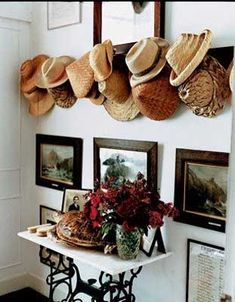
(73, 200)
(149, 242)
(205, 271)
(58, 161)
(60, 14)
(47, 215)
(123, 159)
(201, 179)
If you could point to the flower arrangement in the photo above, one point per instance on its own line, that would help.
(130, 204)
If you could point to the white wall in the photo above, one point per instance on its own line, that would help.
(164, 281)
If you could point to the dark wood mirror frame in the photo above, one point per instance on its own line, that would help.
(159, 23)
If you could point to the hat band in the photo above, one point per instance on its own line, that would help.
(142, 73)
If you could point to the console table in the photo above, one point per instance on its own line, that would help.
(114, 284)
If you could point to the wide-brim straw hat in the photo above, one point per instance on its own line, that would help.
(122, 111)
(157, 99)
(40, 102)
(207, 90)
(53, 72)
(81, 76)
(95, 96)
(186, 54)
(29, 72)
(101, 57)
(63, 95)
(146, 59)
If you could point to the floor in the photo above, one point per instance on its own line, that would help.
(24, 295)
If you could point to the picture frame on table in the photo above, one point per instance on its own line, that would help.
(61, 14)
(152, 241)
(74, 199)
(201, 179)
(205, 271)
(123, 159)
(58, 161)
(47, 256)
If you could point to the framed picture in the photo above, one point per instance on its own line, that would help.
(123, 159)
(62, 13)
(73, 200)
(58, 161)
(201, 179)
(153, 240)
(205, 272)
(48, 256)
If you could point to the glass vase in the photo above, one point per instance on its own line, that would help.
(128, 243)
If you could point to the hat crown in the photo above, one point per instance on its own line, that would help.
(142, 55)
(52, 70)
(26, 69)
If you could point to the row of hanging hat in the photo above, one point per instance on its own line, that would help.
(152, 79)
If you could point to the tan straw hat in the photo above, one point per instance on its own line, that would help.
(81, 76)
(63, 95)
(186, 54)
(146, 59)
(157, 99)
(122, 112)
(29, 72)
(230, 74)
(53, 72)
(40, 101)
(95, 96)
(207, 90)
(101, 57)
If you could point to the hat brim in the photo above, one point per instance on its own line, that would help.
(41, 106)
(122, 112)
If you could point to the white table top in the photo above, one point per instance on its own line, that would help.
(110, 264)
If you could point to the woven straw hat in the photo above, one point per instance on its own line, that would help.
(122, 112)
(230, 74)
(53, 72)
(81, 76)
(29, 72)
(207, 90)
(157, 99)
(186, 54)
(95, 96)
(101, 57)
(40, 101)
(146, 59)
(63, 95)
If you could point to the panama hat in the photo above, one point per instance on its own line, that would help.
(53, 72)
(146, 59)
(207, 90)
(186, 54)
(29, 72)
(63, 95)
(122, 111)
(157, 99)
(101, 57)
(81, 76)
(40, 101)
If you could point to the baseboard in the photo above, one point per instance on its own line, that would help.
(13, 283)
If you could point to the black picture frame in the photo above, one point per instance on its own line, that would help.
(205, 271)
(201, 188)
(128, 148)
(148, 243)
(158, 30)
(58, 161)
(68, 197)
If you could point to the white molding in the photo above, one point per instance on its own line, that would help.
(20, 11)
(14, 283)
(10, 265)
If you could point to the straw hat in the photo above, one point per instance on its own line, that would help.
(157, 99)
(122, 111)
(146, 59)
(207, 90)
(29, 72)
(186, 54)
(230, 74)
(39, 101)
(95, 96)
(53, 72)
(101, 57)
(63, 95)
(81, 76)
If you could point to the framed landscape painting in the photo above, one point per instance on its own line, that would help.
(201, 179)
(123, 159)
(58, 161)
